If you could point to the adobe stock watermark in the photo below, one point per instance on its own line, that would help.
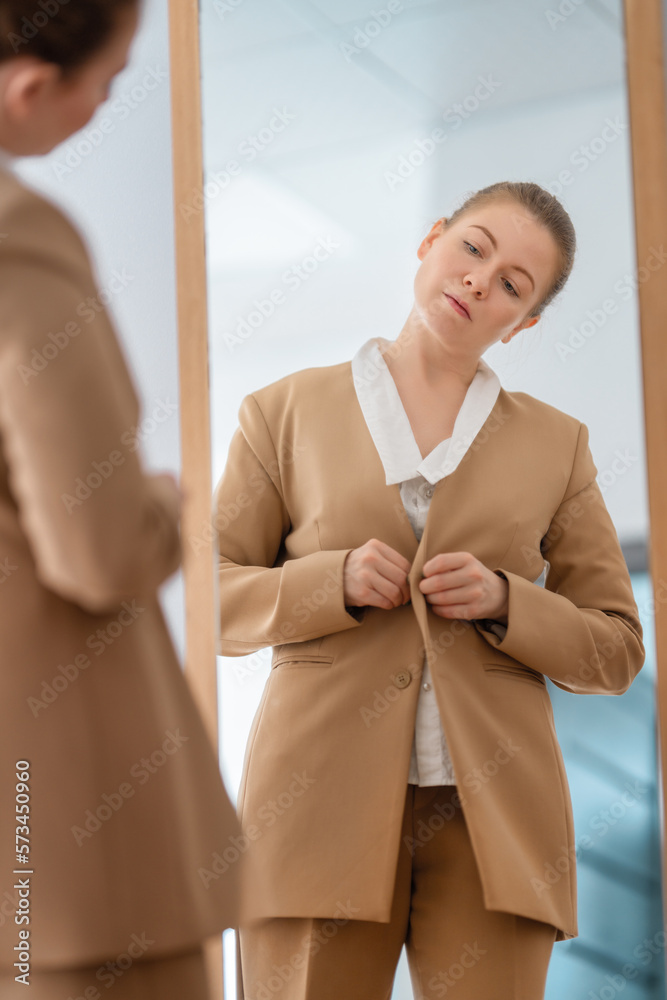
(87, 310)
(423, 148)
(474, 779)
(250, 666)
(644, 952)
(457, 451)
(224, 7)
(441, 983)
(597, 318)
(268, 814)
(308, 605)
(32, 25)
(574, 508)
(9, 906)
(603, 821)
(371, 369)
(382, 700)
(586, 154)
(7, 569)
(659, 597)
(566, 9)
(98, 642)
(364, 35)
(120, 108)
(113, 801)
(100, 471)
(293, 278)
(468, 444)
(252, 146)
(228, 511)
(113, 970)
(311, 944)
(605, 652)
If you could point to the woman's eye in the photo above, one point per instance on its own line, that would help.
(506, 284)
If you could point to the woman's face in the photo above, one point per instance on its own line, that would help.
(498, 261)
(41, 109)
(90, 86)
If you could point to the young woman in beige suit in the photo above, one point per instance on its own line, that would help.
(421, 548)
(111, 799)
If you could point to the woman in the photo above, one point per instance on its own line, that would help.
(385, 523)
(112, 803)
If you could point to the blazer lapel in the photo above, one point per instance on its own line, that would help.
(383, 516)
(466, 513)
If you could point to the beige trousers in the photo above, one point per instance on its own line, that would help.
(455, 947)
(179, 976)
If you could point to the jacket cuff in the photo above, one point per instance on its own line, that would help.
(313, 588)
(508, 637)
(488, 627)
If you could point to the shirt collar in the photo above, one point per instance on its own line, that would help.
(390, 428)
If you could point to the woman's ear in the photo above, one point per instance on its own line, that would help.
(524, 326)
(434, 232)
(27, 82)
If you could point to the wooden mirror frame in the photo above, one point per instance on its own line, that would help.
(644, 43)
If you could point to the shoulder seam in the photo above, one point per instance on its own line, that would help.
(278, 484)
(574, 459)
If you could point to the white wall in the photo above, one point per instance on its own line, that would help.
(114, 178)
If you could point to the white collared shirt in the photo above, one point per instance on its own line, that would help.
(389, 426)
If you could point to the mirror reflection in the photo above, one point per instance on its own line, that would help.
(335, 136)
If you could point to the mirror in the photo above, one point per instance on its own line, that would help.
(334, 135)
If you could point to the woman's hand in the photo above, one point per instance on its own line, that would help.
(377, 575)
(457, 585)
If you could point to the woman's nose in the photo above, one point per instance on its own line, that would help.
(476, 285)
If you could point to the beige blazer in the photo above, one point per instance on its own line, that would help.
(125, 799)
(327, 760)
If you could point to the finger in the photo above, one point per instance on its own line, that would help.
(394, 570)
(460, 611)
(446, 581)
(391, 555)
(386, 581)
(445, 561)
(461, 596)
(388, 577)
(382, 595)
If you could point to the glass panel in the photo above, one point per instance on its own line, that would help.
(610, 750)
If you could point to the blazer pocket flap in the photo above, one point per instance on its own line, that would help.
(300, 653)
(515, 670)
(302, 659)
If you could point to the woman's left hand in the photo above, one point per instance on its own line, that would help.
(457, 585)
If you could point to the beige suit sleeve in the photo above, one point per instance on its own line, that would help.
(582, 629)
(100, 530)
(265, 598)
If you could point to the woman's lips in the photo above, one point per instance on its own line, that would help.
(455, 305)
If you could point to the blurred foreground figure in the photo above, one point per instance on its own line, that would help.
(112, 809)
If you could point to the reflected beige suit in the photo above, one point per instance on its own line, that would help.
(327, 761)
(126, 800)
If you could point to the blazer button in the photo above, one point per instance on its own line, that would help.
(402, 679)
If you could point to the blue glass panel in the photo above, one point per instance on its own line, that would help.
(609, 745)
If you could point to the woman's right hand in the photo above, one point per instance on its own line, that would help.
(376, 575)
